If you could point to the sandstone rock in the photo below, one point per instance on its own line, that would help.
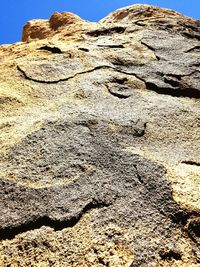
(66, 23)
(100, 141)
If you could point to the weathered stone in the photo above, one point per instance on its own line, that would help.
(100, 141)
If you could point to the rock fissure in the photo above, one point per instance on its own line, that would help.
(151, 48)
(182, 92)
(193, 49)
(111, 46)
(54, 50)
(78, 73)
(83, 49)
(107, 31)
(190, 162)
(61, 80)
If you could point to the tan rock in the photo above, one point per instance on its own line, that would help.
(100, 141)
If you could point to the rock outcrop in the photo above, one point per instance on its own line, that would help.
(100, 141)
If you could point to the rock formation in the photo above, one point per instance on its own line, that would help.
(100, 141)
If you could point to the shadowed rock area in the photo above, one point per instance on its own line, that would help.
(100, 141)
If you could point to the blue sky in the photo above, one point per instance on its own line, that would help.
(15, 13)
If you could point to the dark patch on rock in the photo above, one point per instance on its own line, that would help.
(84, 49)
(190, 162)
(107, 31)
(111, 46)
(170, 255)
(194, 230)
(177, 91)
(54, 50)
(193, 49)
(108, 177)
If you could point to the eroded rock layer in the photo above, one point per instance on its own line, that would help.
(100, 141)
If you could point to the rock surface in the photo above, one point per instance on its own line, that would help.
(100, 141)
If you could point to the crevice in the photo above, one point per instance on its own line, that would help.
(195, 48)
(172, 82)
(83, 49)
(150, 48)
(54, 50)
(108, 31)
(111, 46)
(61, 80)
(190, 162)
(170, 255)
(195, 65)
(76, 74)
(35, 223)
(177, 92)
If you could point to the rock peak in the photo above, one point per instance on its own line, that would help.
(66, 25)
(133, 12)
(42, 29)
(58, 20)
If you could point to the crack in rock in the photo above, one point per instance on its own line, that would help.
(110, 46)
(193, 49)
(83, 49)
(60, 80)
(53, 50)
(107, 31)
(150, 48)
(190, 162)
(186, 92)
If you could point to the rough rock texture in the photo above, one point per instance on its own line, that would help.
(100, 141)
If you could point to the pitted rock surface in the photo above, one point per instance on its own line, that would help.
(100, 141)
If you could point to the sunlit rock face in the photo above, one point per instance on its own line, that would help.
(100, 141)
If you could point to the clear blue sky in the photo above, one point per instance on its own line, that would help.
(15, 13)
